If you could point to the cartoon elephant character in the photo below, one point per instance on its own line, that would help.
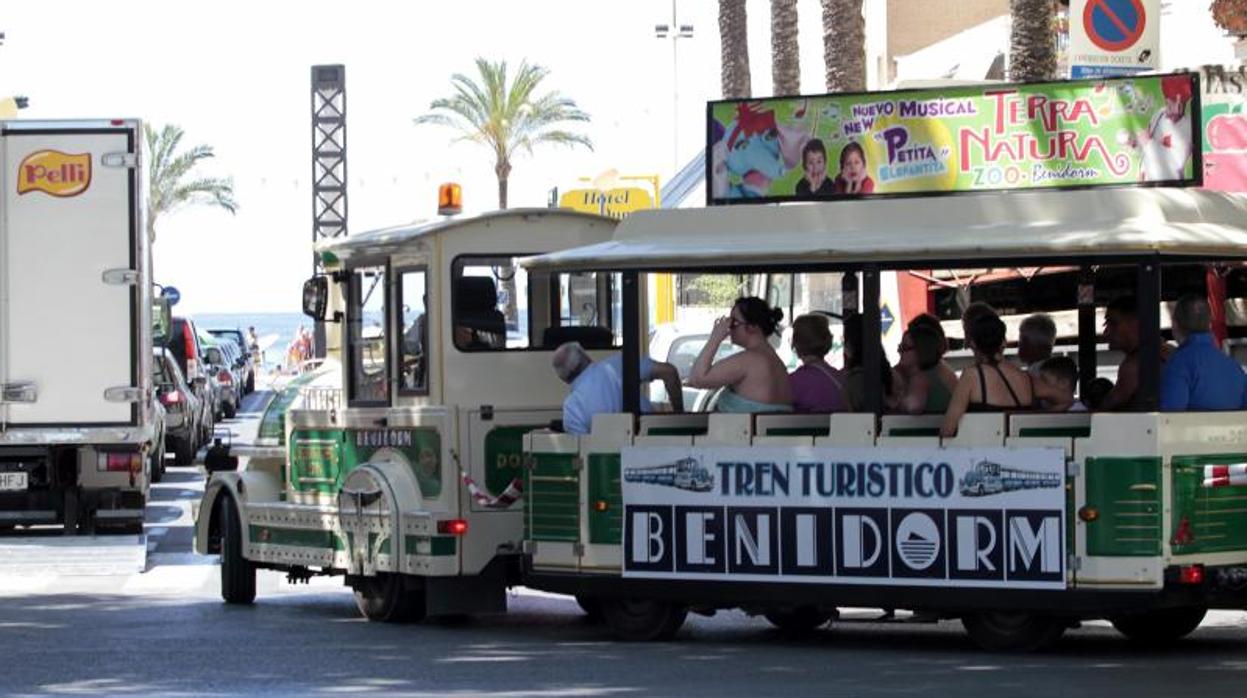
(754, 151)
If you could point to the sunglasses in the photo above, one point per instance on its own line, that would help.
(905, 347)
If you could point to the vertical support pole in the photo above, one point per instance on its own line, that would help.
(328, 166)
(848, 293)
(1087, 331)
(631, 342)
(1147, 398)
(872, 355)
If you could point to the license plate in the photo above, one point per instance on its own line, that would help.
(12, 481)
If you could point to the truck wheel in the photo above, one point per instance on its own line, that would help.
(71, 510)
(158, 462)
(799, 620)
(183, 452)
(1160, 627)
(640, 620)
(591, 606)
(383, 599)
(237, 572)
(1002, 631)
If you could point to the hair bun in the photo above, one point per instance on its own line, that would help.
(777, 315)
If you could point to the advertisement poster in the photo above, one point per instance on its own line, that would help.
(1224, 110)
(990, 517)
(958, 139)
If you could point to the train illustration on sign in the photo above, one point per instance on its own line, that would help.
(993, 478)
(684, 474)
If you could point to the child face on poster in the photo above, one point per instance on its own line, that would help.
(814, 162)
(853, 178)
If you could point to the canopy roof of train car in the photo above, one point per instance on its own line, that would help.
(947, 231)
(386, 240)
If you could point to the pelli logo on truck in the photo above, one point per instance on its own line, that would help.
(55, 173)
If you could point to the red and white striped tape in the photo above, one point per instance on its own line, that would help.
(509, 496)
(1225, 475)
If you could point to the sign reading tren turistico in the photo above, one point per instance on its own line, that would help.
(1083, 133)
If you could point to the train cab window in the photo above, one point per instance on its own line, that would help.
(413, 346)
(588, 311)
(490, 298)
(367, 347)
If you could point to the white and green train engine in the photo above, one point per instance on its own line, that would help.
(397, 462)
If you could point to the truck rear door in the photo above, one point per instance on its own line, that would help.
(69, 273)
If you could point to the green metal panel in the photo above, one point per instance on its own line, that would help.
(1070, 432)
(321, 458)
(914, 431)
(676, 431)
(605, 527)
(439, 546)
(552, 486)
(295, 537)
(504, 455)
(1215, 517)
(798, 431)
(1127, 494)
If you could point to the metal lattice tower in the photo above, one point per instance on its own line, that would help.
(328, 154)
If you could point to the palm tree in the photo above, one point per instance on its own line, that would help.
(785, 54)
(844, 45)
(168, 172)
(734, 49)
(506, 117)
(1032, 41)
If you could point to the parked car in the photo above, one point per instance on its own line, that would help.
(185, 345)
(156, 459)
(183, 408)
(224, 367)
(236, 336)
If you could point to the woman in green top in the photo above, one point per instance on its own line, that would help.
(925, 391)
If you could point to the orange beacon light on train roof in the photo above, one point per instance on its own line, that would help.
(449, 199)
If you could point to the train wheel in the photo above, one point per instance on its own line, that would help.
(1003, 631)
(799, 620)
(383, 598)
(237, 572)
(638, 620)
(591, 606)
(1161, 626)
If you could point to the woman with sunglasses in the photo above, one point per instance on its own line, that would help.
(919, 367)
(754, 380)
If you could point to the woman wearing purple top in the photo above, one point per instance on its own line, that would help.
(816, 385)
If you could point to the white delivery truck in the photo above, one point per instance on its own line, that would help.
(78, 428)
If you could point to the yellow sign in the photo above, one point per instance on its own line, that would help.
(615, 203)
(55, 173)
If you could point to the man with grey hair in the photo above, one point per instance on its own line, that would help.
(597, 386)
(1036, 337)
(1199, 376)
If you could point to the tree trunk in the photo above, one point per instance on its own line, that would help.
(151, 228)
(785, 54)
(503, 170)
(1032, 41)
(844, 45)
(734, 49)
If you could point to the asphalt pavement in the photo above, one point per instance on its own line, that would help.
(165, 631)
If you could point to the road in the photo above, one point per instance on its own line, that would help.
(165, 631)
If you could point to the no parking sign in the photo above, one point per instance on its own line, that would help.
(1113, 37)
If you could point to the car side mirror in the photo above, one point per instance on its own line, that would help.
(316, 297)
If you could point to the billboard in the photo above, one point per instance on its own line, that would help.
(956, 139)
(983, 517)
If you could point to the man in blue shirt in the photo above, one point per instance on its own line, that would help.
(597, 387)
(1199, 376)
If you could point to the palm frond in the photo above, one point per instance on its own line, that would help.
(506, 115)
(168, 170)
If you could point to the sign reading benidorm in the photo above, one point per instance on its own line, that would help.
(984, 137)
(989, 517)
